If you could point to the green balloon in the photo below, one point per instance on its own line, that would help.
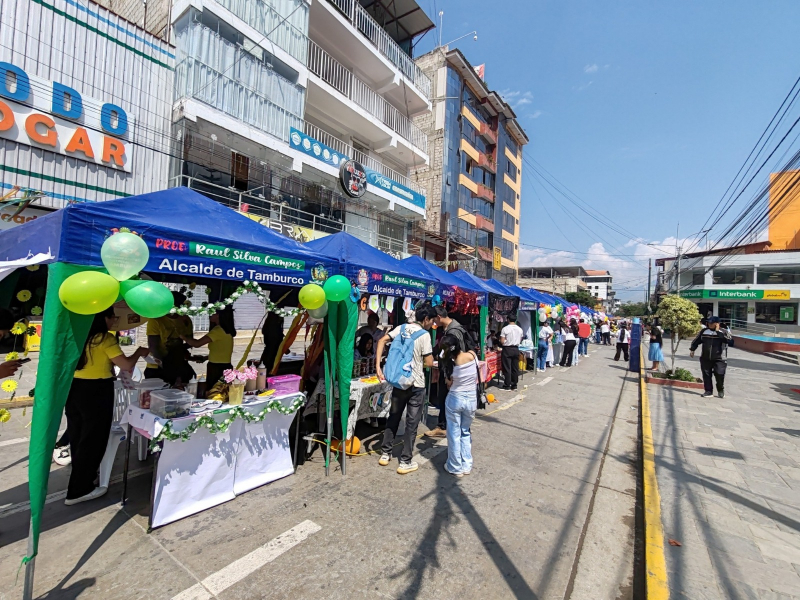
(311, 296)
(319, 313)
(124, 255)
(88, 292)
(337, 288)
(149, 299)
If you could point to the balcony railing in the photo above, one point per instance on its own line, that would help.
(332, 72)
(377, 35)
(347, 150)
(282, 213)
(487, 134)
(486, 161)
(288, 33)
(484, 192)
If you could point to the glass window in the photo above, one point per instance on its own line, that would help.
(778, 313)
(775, 275)
(507, 249)
(693, 277)
(511, 169)
(508, 222)
(733, 276)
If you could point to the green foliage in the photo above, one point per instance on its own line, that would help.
(581, 297)
(632, 309)
(681, 318)
(681, 375)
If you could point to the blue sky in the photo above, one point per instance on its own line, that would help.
(645, 110)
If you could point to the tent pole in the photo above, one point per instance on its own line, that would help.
(27, 590)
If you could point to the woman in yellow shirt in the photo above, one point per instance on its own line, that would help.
(90, 405)
(220, 344)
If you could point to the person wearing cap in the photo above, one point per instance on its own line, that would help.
(715, 339)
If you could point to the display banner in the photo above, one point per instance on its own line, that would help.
(373, 282)
(528, 305)
(316, 149)
(738, 294)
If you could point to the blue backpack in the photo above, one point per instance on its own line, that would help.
(397, 370)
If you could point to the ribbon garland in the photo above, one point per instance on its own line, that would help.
(208, 421)
(209, 308)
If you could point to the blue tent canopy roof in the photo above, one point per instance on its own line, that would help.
(474, 281)
(444, 277)
(187, 234)
(375, 271)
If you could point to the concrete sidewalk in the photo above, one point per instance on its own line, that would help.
(547, 513)
(729, 476)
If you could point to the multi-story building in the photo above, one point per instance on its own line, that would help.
(473, 181)
(748, 284)
(278, 102)
(85, 100)
(553, 280)
(599, 284)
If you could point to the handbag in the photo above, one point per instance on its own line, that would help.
(481, 389)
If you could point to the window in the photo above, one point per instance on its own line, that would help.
(775, 275)
(778, 313)
(733, 276)
(507, 249)
(693, 277)
(511, 169)
(509, 222)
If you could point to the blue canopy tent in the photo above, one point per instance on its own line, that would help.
(374, 271)
(448, 282)
(187, 234)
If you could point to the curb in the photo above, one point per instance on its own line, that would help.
(656, 587)
(18, 402)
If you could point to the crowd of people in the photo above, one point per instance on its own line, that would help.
(563, 343)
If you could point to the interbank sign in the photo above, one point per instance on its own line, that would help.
(316, 149)
(737, 294)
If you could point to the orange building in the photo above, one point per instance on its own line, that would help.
(784, 210)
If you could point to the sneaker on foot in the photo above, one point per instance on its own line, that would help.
(721, 394)
(95, 493)
(436, 433)
(385, 459)
(62, 456)
(706, 394)
(407, 467)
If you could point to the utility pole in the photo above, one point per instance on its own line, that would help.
(447, 252)
(649, 276)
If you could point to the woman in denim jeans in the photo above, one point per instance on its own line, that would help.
(460, 404)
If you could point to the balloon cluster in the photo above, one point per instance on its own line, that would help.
(547, 311)
(314, 298)
(124, 254)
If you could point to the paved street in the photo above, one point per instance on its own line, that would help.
(548, 512)
(729, 476)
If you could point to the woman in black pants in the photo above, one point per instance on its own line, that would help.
(570, 340)
(90, 405)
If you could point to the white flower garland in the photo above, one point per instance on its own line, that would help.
(208, 421)
(209, 308)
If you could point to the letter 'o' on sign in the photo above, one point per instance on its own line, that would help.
(14, 83)
(6, 117)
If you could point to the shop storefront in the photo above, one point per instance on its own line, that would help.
(771, 307)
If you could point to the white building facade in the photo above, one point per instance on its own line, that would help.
(85, 100)
(275, 98)
(761, 288)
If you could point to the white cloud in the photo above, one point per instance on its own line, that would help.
(590, 68)
(536, 114)
(517, 98)
(583, 87)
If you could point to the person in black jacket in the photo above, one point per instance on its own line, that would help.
(715, 340)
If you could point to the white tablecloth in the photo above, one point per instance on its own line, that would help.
(209, 469)
(360, 394)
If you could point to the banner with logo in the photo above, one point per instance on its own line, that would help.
(316, 149)
(373, 282)
(737, 294)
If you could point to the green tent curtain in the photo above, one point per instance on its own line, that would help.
(484, 322)
(63, 336)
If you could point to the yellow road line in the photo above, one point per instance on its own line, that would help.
(655, 561)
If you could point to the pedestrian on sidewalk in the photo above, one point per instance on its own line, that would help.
(605, 333)
(584, 333)
(461, 404)
(573, 326)
(510, 338)
(452, 328)
(543, 349)
(655, 353)
(412, 398)
(622, 342)
(715, 339)
(569, 345)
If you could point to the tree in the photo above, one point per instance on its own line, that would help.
(581, 297)
(633, 309)
(681, 318)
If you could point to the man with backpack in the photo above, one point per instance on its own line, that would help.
(452, 327)
(410, 351)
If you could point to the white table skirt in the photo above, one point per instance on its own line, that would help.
(209, 469)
